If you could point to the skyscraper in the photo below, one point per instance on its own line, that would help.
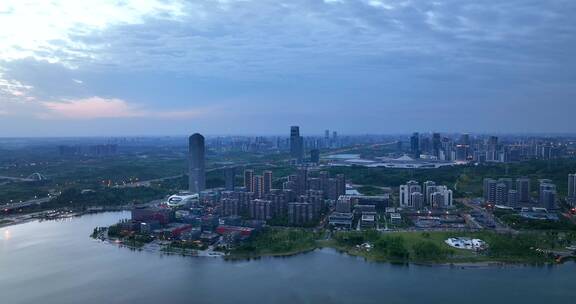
(436, 144)
(196, 163)
(296, 144)
(415, 145)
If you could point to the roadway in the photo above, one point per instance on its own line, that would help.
(16, 179)
(28, 203)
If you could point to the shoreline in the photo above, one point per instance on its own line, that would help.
(248, 256)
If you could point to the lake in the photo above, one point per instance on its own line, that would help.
(57, 262)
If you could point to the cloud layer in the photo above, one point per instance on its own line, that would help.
(97, 107)
(460, 60)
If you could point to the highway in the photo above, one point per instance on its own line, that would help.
(19, 205)
(16, 179)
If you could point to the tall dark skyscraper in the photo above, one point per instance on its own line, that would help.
(296, 144)
(436, 144)
(196, 163)
(415, 145)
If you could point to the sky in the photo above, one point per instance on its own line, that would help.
(173, 67)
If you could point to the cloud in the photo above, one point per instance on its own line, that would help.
(97, 108)
(45, 30)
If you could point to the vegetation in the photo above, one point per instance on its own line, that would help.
(517, 222)
(277, 242)
(466, 179)
(429, 247)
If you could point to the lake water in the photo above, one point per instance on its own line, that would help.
(57, 262)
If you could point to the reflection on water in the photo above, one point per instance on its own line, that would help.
(57, 262)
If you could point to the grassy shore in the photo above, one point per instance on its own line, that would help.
(400, 247)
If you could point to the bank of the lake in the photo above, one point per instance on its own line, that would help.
(55, 262)
(405, 247)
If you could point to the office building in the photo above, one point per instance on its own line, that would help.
(296, 144)
(436, 144)
(415, 145)
(196, 163)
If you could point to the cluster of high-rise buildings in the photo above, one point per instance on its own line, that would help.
(517, 193)
(429, 195)
(484, 148)
(301, 198)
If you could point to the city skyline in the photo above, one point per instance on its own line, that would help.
(160, 67)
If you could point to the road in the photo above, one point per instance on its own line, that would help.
(16, 179)
(500, 227)
(19, 205)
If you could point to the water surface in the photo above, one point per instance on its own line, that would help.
(57, 262)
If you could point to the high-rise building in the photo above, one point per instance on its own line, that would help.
(249, 180)
(442, 197)
(340, 184)
(436, 144)
(258, 186)
(300, 213)
(490, 190)
(230, 177)
(296, 144)
(428, 188)
(260, 209)
(315, 156)
(417, 200)
(549, 199)
(406, 194)
(523, 188)
(572, 188)
(512, 198)
(301, 181)
(415, 145)
(501, 194)
(267, 181)
(196, 163)
(547, 193)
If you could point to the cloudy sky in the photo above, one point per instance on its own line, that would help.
(150, 67)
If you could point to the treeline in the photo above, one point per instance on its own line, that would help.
(76, 198)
